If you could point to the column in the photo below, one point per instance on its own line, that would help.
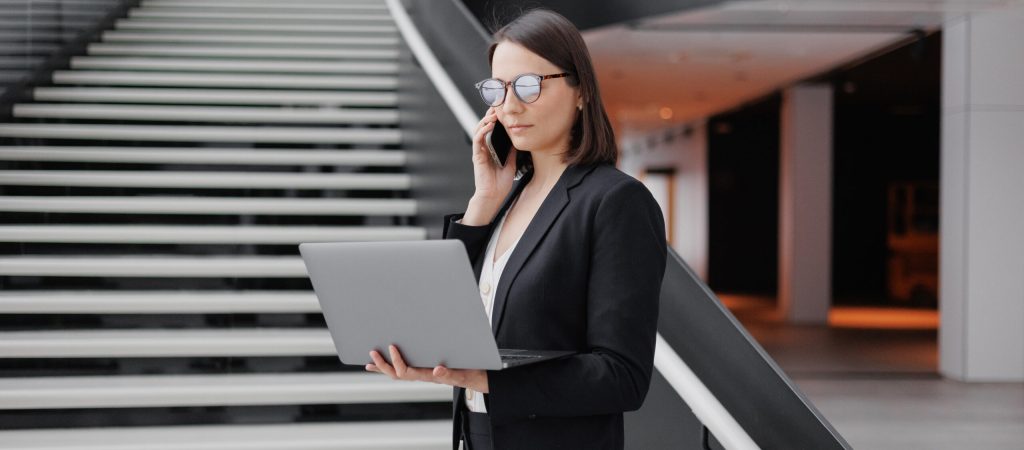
(981, 296)
(805, 204)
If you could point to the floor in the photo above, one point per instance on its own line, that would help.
(873, 374)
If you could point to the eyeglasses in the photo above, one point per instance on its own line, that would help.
(526, 87)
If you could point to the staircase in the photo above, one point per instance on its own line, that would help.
(151, 203)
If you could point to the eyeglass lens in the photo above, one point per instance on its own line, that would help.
(526, 87)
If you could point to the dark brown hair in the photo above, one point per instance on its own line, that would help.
(554, 38)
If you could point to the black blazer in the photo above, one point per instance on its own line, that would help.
(585, 276)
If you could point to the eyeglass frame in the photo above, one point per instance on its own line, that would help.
(505, 86)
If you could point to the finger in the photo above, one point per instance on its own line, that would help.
(441, 372)
(478, 138)
(489, 117)
(445, 375)
(372, 368)
(480, 142)
(484, 129)
(396, 357)
(381, 364)
(439, 375)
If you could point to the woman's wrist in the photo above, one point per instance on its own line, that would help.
(481, 385)
(479, 211)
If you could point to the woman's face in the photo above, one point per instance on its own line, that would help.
(542, 126)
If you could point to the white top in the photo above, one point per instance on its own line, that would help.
(490, 273)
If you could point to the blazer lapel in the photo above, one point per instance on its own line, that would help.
(549, 210)
(517, 187)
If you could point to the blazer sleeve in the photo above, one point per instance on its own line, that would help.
(628, 257)
(473, 237)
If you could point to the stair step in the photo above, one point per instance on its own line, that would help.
(165, 343)
(60, 3)
(325, 30)
(204, 155)
(20, 61)
(277, 16)
(249, 80)
(396, 435)
(45, 23)
(234, 51)
(222, 38)
(232, 65)
(215, 96)
(22, 35)
(157, 302)
(262, 2)
(167, 133)
(16, 50)
(154, 266)
(189, 5)
(210, 205)
(317, 3)
(17, 8)
(148, 391)
(205, 234)
(205, 179)
(48, 4)
(218, 114)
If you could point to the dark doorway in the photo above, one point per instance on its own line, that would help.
(743, 199)
(886, 141)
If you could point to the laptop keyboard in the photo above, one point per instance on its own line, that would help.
(518, 357)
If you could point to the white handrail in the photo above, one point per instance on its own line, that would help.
(435, 72)
(705, 406)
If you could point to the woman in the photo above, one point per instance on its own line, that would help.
(569, 256)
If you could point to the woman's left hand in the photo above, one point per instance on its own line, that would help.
(474, 379)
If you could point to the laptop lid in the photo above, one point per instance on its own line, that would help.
(419, 295)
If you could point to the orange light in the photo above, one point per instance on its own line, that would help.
(762, 309)
(883, 318)
(665, 112)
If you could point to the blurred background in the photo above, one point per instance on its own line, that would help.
(840, 181)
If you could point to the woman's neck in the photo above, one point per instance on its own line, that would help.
(547, 168)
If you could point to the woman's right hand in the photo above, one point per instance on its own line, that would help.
(493, 182)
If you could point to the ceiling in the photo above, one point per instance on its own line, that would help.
(683, 67)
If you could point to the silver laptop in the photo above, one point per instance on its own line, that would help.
(419, 295)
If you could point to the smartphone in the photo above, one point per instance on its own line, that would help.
(499, 144)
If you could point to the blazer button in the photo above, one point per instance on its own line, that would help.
(485, 288)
